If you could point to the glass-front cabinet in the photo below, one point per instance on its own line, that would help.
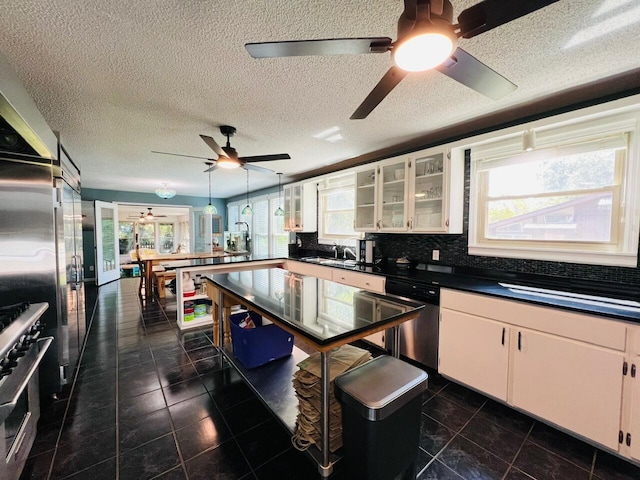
(300, 207)
(436, 191)
(392, 201)
(428, 188)
(365, 217)
(419, 193)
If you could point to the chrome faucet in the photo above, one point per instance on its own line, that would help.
(347, 249)
(335, 250)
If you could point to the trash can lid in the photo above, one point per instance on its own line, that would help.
(380, 387)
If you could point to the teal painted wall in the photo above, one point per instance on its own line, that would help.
(91, 194)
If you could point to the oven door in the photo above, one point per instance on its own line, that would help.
(20, 410)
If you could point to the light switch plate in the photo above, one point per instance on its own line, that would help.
(435, 255)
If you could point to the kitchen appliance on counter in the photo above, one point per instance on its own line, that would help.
(41, 228)
(419, 337)
(366, 252)
(21, 350)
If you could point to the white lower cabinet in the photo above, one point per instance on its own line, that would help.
(572, 384)
(562, 367)
(630, 431)
(474, 351)
(631, 438)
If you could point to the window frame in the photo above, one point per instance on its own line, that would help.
(602, 120)
(337, 183)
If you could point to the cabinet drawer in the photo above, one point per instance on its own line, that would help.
(305, 268)
(373, 283)
(577, 326)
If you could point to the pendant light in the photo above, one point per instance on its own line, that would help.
(247, 210)
(165, 192)
(279, 211)
(210, 209)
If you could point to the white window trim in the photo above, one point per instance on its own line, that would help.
(602, 119)
(340, 181)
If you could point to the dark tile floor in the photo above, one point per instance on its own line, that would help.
(150, 401)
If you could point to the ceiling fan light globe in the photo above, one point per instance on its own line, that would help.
(423, 51)
(225, 162)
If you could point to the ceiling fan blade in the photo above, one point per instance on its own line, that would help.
(388, 82)
(210, 169)
(255, 168)
(214, 146)
(490, 14)
(466, 69)
(330, 46)
(266, 158)
(181, 155)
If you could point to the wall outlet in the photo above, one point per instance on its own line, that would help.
(91, 268)
(435, 255)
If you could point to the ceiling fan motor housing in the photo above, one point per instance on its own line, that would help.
(227, 130)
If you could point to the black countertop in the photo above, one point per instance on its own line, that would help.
(487, 283)
(337, 311)
(491, 283)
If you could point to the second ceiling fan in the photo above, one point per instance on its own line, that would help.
(228, 156)
(427, 38)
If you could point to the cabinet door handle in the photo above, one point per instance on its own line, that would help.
(620, 437)
(628, 442)
(520, 341)
(633, 370)
(504, 330)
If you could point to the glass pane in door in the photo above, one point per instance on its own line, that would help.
(107, 242)
(393, 212)
(365, 215)
(428, 190)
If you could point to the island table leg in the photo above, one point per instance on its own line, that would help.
(326, 468)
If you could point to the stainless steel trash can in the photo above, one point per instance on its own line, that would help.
(381, 407)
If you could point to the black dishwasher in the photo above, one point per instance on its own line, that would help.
(419, 337)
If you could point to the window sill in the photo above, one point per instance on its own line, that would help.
(590, 258)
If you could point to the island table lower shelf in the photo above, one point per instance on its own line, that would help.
(273, 384)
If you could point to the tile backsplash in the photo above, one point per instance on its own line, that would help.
(453, 252)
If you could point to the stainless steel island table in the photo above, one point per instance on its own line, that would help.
(323, 314)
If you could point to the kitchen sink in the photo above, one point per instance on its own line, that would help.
(330, 261)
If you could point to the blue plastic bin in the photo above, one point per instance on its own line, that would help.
(256, 346)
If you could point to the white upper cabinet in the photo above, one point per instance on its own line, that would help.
(301, 207)
(418, 193)
(381, 196)
(392, 198)
(366, 189)
(436, 191)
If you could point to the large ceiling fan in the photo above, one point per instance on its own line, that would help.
(228, 156)
(427, 38)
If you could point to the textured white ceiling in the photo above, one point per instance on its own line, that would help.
(119, 79)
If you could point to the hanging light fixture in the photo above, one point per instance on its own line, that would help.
(165, 192)
(142, 219)
(149, 215)
(247, 210)
(279, 211)
(210, 209)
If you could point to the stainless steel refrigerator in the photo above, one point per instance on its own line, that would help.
(41, 255)
(40, 228)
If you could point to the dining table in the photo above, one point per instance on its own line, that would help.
(153, 259)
